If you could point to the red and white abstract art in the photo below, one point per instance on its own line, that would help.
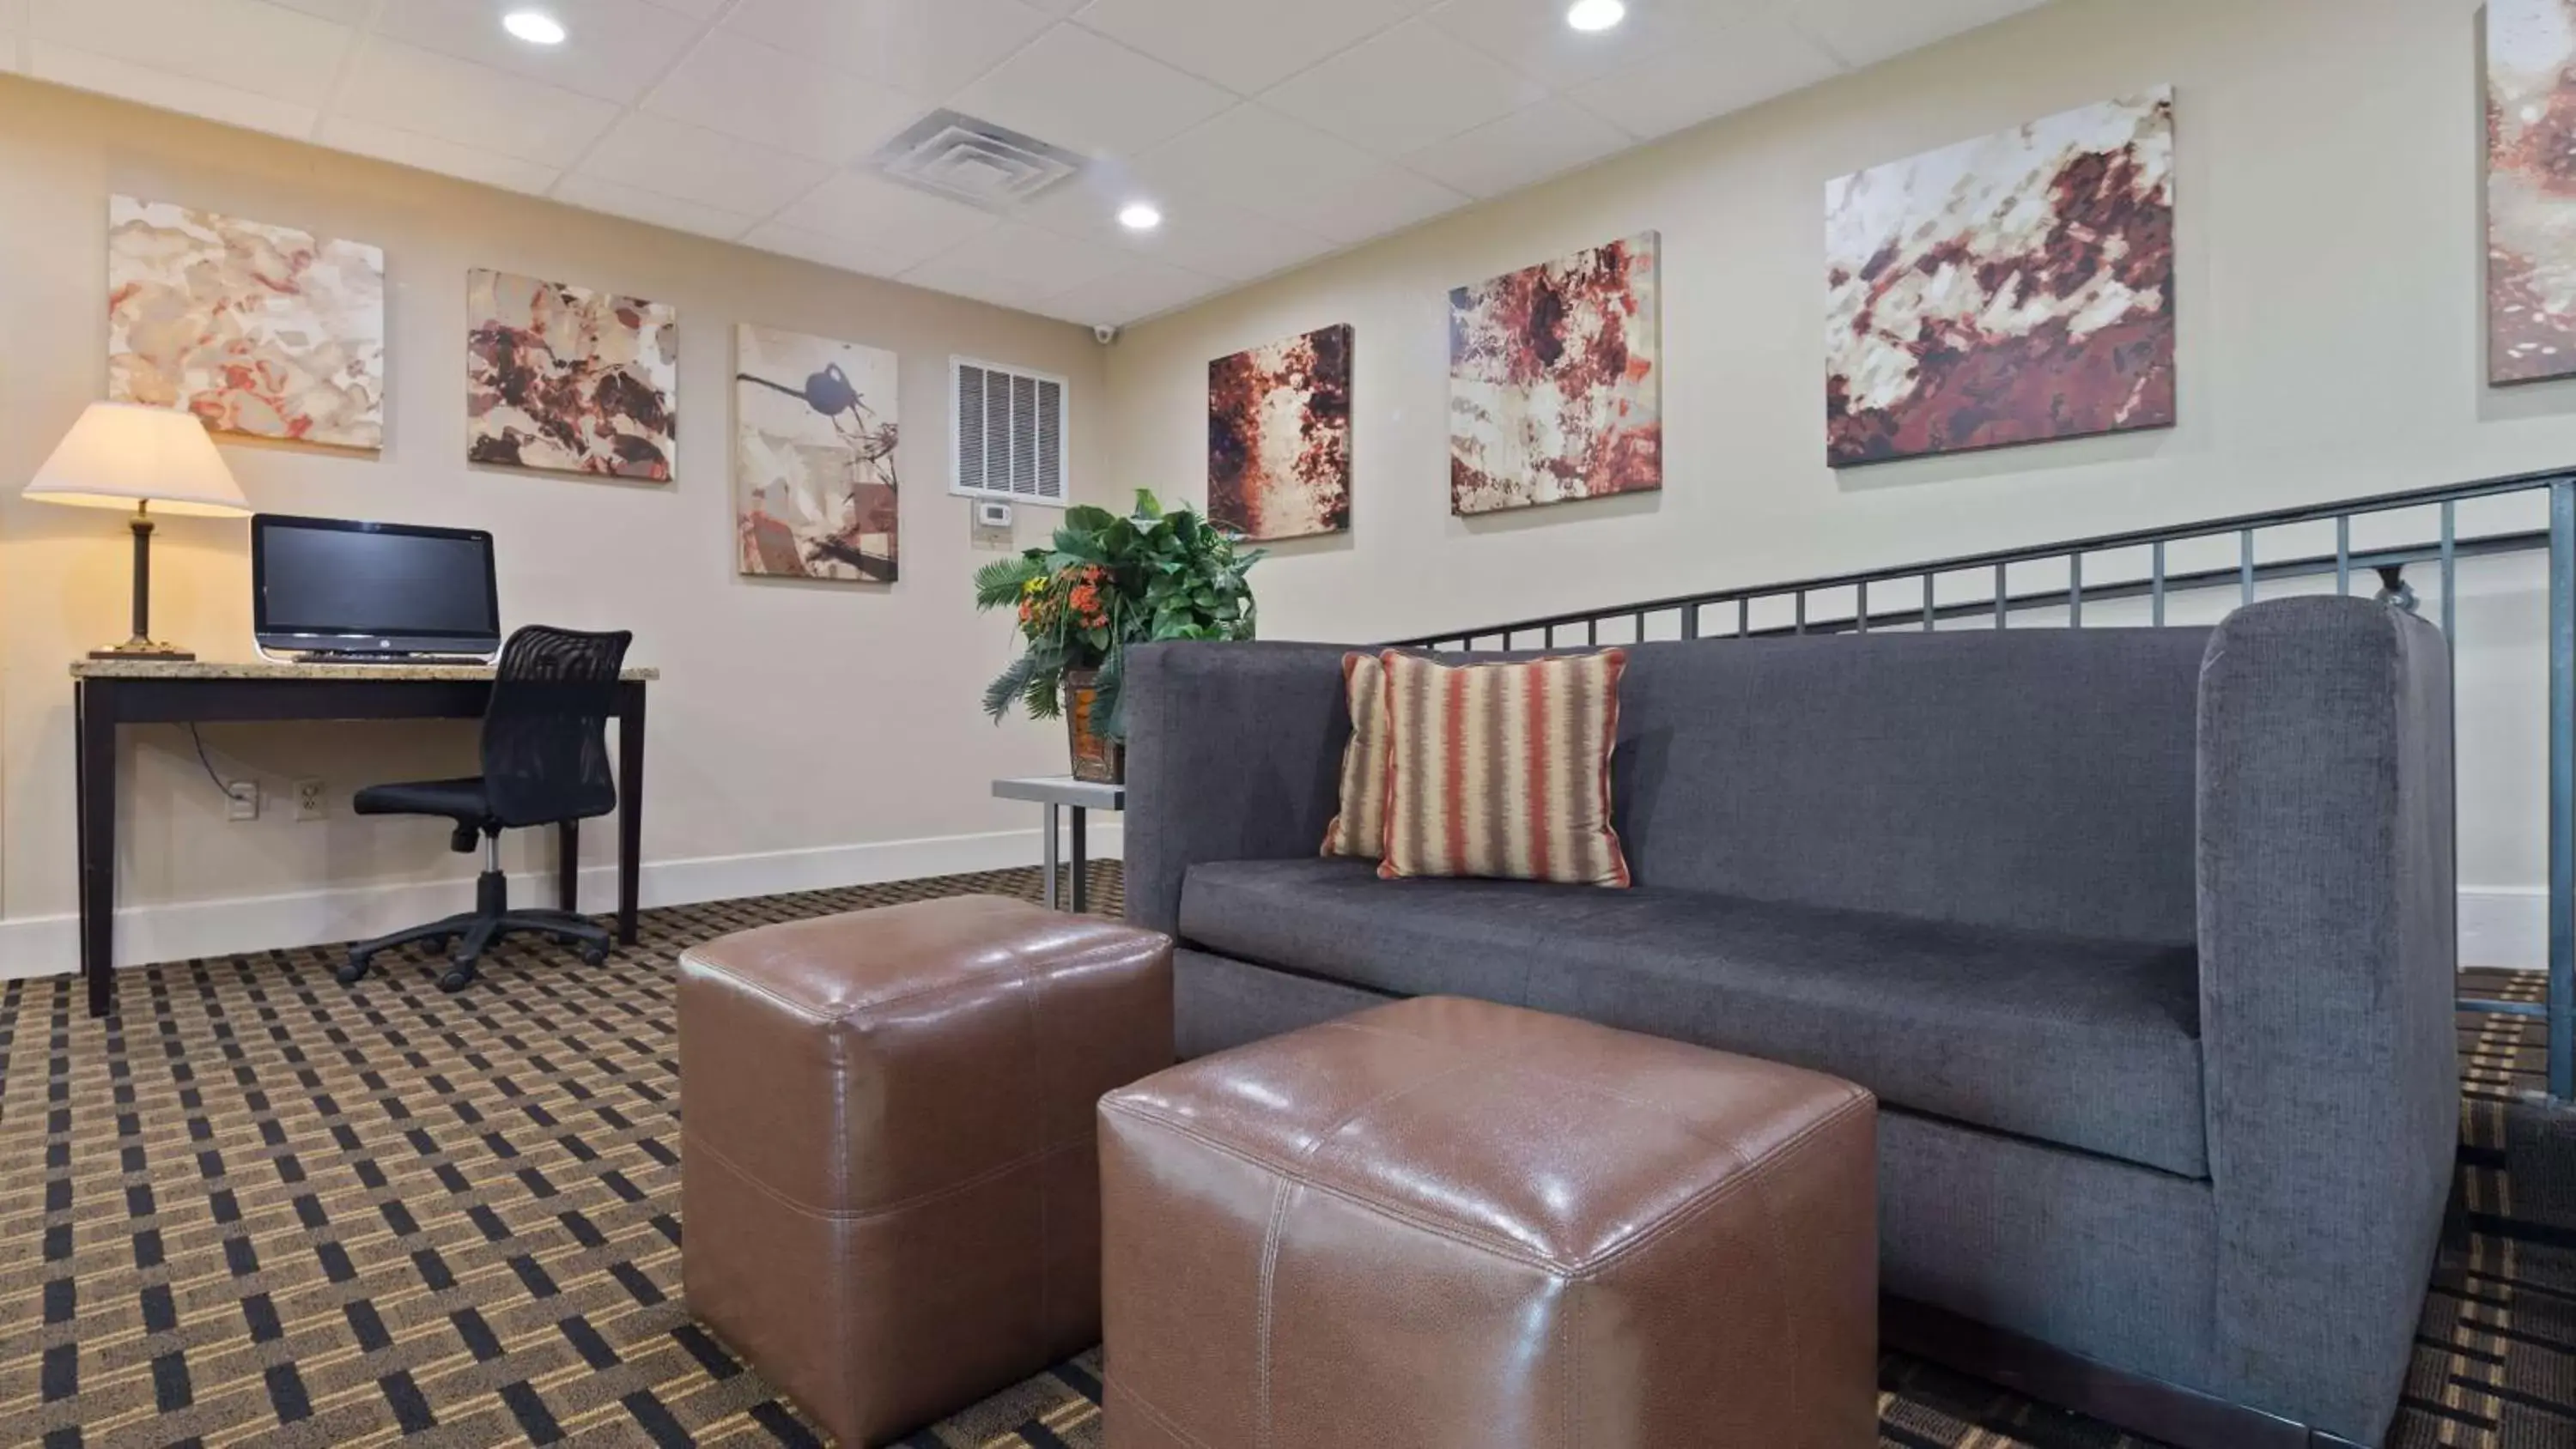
(2011, 289)
(1556, 381)
(260, 330)
(1279, 438)
(2531, 190)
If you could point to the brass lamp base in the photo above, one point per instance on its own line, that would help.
(142, 648)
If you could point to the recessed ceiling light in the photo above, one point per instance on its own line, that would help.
(1140, 216)
(536, 27)
(1596, 14)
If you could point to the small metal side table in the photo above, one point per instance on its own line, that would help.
(1059, 793)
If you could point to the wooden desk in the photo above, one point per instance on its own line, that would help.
(107, 693)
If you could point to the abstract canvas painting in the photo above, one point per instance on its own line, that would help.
(1279, 438)
(260, 330)
(2005, 290)
(1556, 381)
(2531, 206)
(815, 427)
(569, 380)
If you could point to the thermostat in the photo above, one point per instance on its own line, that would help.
(992, 515)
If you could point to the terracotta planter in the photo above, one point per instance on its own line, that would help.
(1096, 758)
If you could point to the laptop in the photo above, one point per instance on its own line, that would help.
(335, 590)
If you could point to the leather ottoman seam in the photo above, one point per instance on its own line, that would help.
(689, 1144)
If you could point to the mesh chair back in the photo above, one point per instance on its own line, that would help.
(545, 733)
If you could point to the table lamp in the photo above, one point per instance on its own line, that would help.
(125, 453)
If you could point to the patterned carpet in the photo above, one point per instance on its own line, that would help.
(260, 1208)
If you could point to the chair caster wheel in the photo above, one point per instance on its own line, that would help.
(594, 955)
(353, 973)
(437, 945)
(456, 979)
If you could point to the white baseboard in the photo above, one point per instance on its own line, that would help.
(183, 930)
(2504, 926)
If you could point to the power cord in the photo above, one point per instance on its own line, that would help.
(221, 787)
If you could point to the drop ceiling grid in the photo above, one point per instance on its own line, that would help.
(1270, 132)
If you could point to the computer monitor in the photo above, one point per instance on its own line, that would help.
(335, 586)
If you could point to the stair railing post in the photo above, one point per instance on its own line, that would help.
(2562, 790)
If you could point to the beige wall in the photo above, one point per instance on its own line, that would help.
(2329, 313)
(829, 732)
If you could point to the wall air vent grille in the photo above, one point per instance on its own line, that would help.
(957, 156)
(1010, 434)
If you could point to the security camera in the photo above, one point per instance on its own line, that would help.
(1105, 336)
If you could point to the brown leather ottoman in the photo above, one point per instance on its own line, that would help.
(1447, 1222)
(889, 1186)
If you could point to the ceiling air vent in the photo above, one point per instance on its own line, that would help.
(977, 162)
(1010, 428)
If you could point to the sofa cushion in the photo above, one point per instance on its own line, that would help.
(1502, 770)
(2085, 1043)
(1359, 825)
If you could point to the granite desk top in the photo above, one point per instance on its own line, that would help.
(289, 669)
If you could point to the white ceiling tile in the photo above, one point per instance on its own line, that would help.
(241, 45)
(107, 75)
(1532, 34)
(1404, 89)
(1048, 260)
(1258, 160)
(848, 256)
(637, 204)
(347, 12)
(885, 220)
(763, 94)
(410, 148)
(1523, 147)
(613, 49)
(1865, 32)
(13, 20)
(1091, 94)
(694, 9)
(1386, 200)
(398, 85)
(674, 158)
(1199, 233)
(1245, 45)
(1745, 66)
(1141, 290)
(946, 275)
(927, 46)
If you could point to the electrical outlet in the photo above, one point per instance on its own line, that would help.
(308, 799)
(245, 800)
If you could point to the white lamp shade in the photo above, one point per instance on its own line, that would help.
(122, 454)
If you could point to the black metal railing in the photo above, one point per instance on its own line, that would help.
(2426, 524)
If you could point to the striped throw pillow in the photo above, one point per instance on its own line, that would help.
(1503, 770)
(1359, 827)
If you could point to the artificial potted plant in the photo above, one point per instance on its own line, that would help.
(1105, 583)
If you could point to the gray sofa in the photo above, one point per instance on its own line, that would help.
(2144, 938)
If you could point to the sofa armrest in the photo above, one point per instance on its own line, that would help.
(2328, 976)
(1234, 752)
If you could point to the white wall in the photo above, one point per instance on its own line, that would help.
(2329, 308)
(803, 734)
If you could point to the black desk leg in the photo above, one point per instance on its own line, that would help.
(568, 866)
(630, 807)
(94, 790)
(1081, 860)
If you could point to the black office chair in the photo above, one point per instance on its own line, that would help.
(545, 761)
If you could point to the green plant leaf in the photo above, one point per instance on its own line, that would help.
(1147, 505)
(1008, 686)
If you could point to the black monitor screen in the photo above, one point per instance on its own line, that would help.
(324, 577)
